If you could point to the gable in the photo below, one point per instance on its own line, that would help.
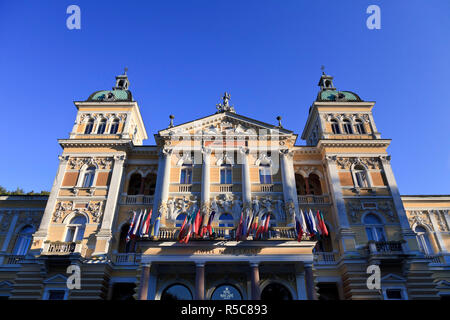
(225, 123)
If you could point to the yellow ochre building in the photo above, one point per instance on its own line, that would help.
(230, 164)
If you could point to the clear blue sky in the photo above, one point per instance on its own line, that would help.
(182, 55)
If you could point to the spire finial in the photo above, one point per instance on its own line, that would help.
(279, 122)
(225, 106)
(322, 67)
(171, 120)
(125, 70)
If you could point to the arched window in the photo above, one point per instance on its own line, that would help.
(335, 126)
(226, 292)
(176, 292)
(114, 126)
(186, 174)
(314, 184)
(300, 184)
(23, 241)
(226, 220)
(75, 229)
(101, 127)
(134, 186)
(180, 219)
(88, 179)
(225, 174)
(123, 245)
(424, 240)
(275, 292)
(360, 127)
(149, 184)
(360, 176)
(265, 174)
(374, 228)
(89, 126)
(347, 127)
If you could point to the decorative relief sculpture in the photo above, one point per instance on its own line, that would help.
(237, 208)
(94, 209)
(101, 163)
(420, 218)
(62, 209)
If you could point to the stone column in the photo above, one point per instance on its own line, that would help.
(199, 281)
(437, 233)
(206, 172)
(254, 276)
(111, 207)
(309, 280)
(164, 179)
(300, 282)
(10, 233)
(288, 180)
(246, 185)
(41, 234)
(385, 160)
(145, 276)
(344, 233)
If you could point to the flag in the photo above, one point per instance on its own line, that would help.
(266, 226)
(260, 228)
(146, 226)
(322, 222)
(239, 228)
(313, 222)
(198, 222)
(144, 223)
(308, 223)
(128, 238)
(210, 220)
(155, 230)
(303, 222)
(137, 225)
(182, 229)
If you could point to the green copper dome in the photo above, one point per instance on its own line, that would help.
(111, 95)
(334, 95)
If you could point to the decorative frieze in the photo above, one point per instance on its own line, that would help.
(101, 163)
(346, 163)
(63, 208)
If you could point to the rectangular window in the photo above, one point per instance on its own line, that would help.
(70, 234)
(186, 176)
(370, 236)
(265, 175)
(394, 294)
(56, 295)
(225, 176)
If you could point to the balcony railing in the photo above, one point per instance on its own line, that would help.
(12, 259)
(385, 247)
(266, 187)
(434, 258)
(137, 199)
(324, 258)
(61, 248)
(229, 233)
(226, 188)
(125, 258)
(313, 199)
(184, 188)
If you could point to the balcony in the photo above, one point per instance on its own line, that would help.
(185, 188)
(313, 199)
(61, 248)
(324, 258)
(125, 258)
(226, 188)
(137, 200)
(229, 233)
(11, 259)
(266, 188)
(386, 249)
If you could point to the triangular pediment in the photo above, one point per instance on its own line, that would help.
(392, 278)
(225, 123)
(57, 279)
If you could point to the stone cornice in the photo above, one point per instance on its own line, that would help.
(95, 143)
(353, 143)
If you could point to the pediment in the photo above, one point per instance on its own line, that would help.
(57, 279)
(226, 123)
(392, 278)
